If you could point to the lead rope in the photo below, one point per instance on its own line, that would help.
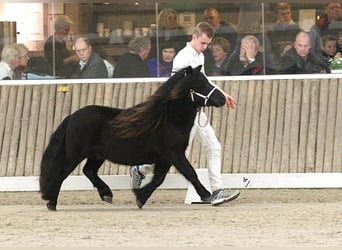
(199, 110)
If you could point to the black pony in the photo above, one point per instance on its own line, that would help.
(156, 131)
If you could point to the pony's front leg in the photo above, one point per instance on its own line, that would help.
(90, 170)
(186, 169)
(142, 194)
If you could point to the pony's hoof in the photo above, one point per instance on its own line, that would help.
(51, 207)
(139, 204)
(108, 199)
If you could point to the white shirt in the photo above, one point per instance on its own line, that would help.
(5, 71)
(186, 57)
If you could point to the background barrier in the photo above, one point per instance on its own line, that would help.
(279, 126)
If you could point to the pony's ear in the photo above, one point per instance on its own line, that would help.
(199, 67)
(188, 70)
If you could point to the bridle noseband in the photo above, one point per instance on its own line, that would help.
(205, 97)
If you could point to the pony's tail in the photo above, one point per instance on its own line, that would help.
(53, 163)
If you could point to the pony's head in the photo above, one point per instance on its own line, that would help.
(191, 82)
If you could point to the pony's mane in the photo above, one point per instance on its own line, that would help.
(147, 116)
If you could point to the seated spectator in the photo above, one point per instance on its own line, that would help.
(329, 47)
(221, 29)
(163, 67)
(301, 60)
(248, 60)
(91, 65)
(56, 52)
(134, 62)
(330, 23)
(220, 49)
(169, 30)
(9, 61)
(22, 67)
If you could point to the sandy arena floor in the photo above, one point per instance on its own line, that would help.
(284, 217)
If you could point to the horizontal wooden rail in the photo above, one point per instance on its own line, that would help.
(279, 126)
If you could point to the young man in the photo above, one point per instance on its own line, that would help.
(192, 55)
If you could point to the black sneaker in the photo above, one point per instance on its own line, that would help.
(220, 196)
(136, 177)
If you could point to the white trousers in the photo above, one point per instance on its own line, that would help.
(203, 132)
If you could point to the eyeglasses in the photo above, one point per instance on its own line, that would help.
(24, 57)
(209, 18)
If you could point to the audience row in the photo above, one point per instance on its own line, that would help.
(284, 49)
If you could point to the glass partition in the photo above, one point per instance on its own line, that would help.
(140, 39)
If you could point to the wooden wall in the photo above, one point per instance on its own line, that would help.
(287, 126)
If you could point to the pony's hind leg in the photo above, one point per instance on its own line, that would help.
(142, 194)
(90, 170)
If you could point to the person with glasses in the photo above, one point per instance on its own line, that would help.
(91, 65)
(134, 62)
(222, 29)
(9, 61)
(56, 52)
(22, 67)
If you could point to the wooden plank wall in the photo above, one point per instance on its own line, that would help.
(279, 126)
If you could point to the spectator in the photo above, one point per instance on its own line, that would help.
(301, 60)
(284, 30)
(168, 30)
(163, 67)
(91, 65)
(221, 29)
(220, 49)
(133, 63)
(21, 69)
(249, 60)
(283, 14)
(9, 61)
(329, 47)
(330, 23)
(56, 53)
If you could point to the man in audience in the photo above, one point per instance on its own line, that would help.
(133, 63)
(284, 30)
(300, 60)
(221, 29)
(283, 14)
(56, 52)
(91, 65)
(249, 60)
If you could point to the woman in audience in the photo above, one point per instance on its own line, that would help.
(163, 66)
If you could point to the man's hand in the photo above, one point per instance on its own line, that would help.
(231, 103)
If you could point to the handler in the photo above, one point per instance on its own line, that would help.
(192, 55)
